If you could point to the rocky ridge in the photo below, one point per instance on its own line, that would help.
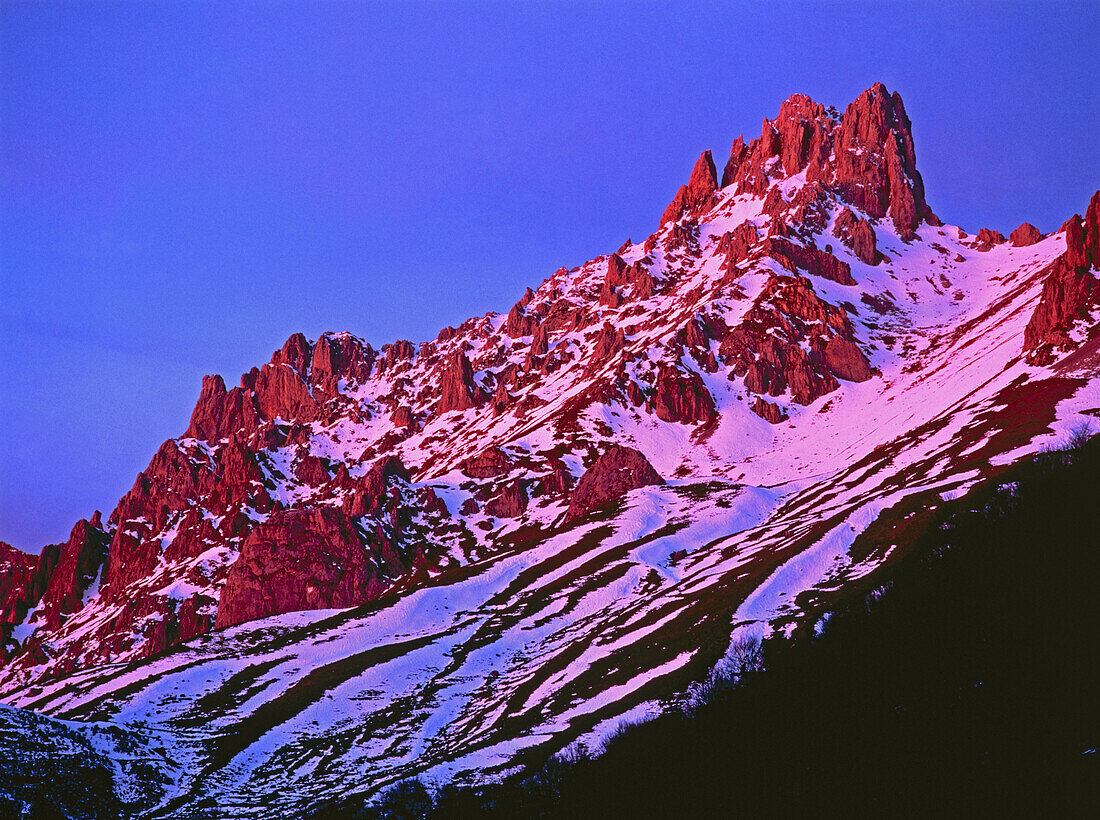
(336, 475)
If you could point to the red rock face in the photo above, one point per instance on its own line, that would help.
(987, 238)
(396, 354)
(681, 397)
(510, 503)
(768, 411)
(876, 167)
(79, 564)
(519, 323)
(20, 588)
(1070, 290)
(767, 348)
(280, 392)
(338, 357)
(369, 493)
(858, 235)
(488, 463)
(618, 471)
(298, 559)
(1026, 234)
(296, 353)
(458, 390)
(310, 470)
(844, 358)
(735, 244)
(793, 257)
(867, 158)
(698, 195)
(738, 152)
(219, 413)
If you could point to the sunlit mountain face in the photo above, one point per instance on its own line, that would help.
(448, 557)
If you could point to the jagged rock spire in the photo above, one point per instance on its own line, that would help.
(866, 157)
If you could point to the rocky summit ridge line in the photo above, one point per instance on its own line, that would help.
(438, 556)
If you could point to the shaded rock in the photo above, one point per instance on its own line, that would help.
(23, 579)
(988, 238)
(298, 560)
(768, 411)
(858, 235)
(432, 503)
(458, 390)
(195, 617)
(615, 473)
(369, 492)
(510, 503)
(681, 397)
(557, 482)
(490, 462)
(311, 470)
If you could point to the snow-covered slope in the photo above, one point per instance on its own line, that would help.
(361, 565)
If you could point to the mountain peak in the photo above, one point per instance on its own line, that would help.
(866, 157)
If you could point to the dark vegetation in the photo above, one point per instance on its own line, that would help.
(967, 686)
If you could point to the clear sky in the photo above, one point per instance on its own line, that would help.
(184, 185)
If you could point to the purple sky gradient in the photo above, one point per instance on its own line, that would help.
(184, 185)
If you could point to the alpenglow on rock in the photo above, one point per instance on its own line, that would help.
(436, 556)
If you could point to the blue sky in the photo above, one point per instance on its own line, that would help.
(184, 185)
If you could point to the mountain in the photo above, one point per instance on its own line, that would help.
(455, 556)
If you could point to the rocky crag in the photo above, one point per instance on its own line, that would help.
(800, 352)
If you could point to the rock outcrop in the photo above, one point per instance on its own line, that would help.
(876, 166)
(299, 559)
(615, 473)
(768, 349)
(510, 502)
(858, 235)
(1025, 235)
(769, 411)
(457, 388)
(867, 157)
(988, 238)
(79, 565)
(697, 196)
(490, 462)
(681, 397)
(816, 262)
(1070, 291)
